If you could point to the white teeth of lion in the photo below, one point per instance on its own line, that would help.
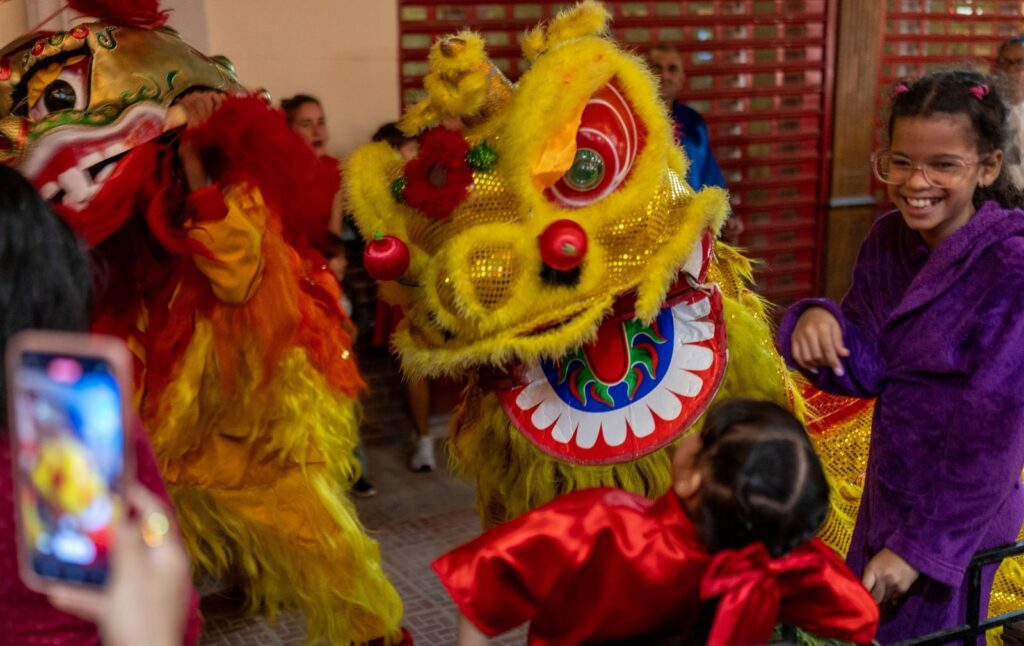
(90, 160)
(694, 260)
(77, 185)
(49, 189)
(105, 172)
(114, 149)
(79, 204)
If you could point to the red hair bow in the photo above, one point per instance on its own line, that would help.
(809, 587)
(980, 91)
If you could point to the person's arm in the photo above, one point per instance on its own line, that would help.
(835, 355)
(228, 225)
(711, 171)
(837, 347)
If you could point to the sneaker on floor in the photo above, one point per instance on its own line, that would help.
(423, 457)
(363, 488)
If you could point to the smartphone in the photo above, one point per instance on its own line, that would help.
(68, 398)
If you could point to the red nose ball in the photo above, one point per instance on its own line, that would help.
(386, 258)
(563, 245)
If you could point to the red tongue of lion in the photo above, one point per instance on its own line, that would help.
(608, 354)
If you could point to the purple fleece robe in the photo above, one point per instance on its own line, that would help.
(938, 338)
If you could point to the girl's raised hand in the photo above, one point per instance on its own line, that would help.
(817, 341)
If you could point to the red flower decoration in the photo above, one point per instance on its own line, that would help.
(438, 178)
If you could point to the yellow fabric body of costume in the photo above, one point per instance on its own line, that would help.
(259, 470)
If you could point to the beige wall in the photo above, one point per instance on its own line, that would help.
(343, 51)
(13, 21)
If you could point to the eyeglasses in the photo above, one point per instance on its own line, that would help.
(943, 173)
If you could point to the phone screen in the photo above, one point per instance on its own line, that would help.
(69, 456)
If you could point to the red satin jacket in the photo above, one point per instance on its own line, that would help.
(604, 565)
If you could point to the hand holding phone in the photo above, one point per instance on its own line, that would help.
(68, 401)
(146, 601)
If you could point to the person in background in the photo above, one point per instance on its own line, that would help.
(1009, 68)
(406, 147)
(417, 391)
(691, 131)
(306, 117)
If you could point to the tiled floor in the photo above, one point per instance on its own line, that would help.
(415, 517)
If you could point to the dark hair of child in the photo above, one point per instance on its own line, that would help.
(390, 133)
(952, 92)
(292, 104)
(45, 278)
(760, 481)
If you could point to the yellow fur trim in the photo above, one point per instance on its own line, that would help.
(418, 118)
(455, 55)
(465, 95)
(259, 476)
(462, 85)
(706, 210)
(588, 18)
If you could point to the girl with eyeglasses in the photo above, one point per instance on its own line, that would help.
(932, 328)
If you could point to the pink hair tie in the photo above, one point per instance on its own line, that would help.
(901, 87)
(980, 91)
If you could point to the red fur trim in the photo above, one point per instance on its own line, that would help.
(130, 13)
(441, 159)
(144, 182)
(245, 141)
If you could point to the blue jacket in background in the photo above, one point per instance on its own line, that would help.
(692, 135)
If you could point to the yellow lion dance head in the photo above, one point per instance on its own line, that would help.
(545, 229)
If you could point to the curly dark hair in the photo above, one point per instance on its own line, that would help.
(950, 92)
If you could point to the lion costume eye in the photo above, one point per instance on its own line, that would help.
(586, 172)
(608, 141)
(68, 91)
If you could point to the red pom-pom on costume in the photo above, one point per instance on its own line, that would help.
(130, 13)
(438, 178)
(385, 257)
(563, 245)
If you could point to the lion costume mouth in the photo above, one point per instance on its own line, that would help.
(71, 166)
(635, 386)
